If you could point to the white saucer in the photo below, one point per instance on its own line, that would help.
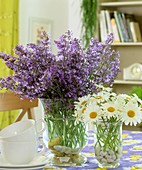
(38, 162)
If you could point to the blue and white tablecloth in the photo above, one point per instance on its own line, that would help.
(131, 159)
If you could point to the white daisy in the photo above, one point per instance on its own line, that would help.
(110, 109)
(81, 101)
(92, 101)
(123, 99)
(102, 96)
(91, 113)
(120, 99)
(131, 114)
(108, 89)
(78, 113)
(136, 99)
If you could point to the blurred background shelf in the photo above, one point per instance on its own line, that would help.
(124, 3)
(127, 44)
(128, 82)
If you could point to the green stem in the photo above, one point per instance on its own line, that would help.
(108, 135)
(72, 135)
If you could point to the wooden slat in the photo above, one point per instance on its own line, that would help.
(10, 101)
(21, 115)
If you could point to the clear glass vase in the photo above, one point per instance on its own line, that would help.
(108, 143)
(66, 137)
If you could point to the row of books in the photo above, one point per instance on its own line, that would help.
(124, 26)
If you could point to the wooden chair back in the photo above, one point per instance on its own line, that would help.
(10, 101)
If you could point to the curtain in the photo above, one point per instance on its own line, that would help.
(9, 10)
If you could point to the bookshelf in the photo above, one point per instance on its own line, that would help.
(121, 3)
(128, 44)
(130, 52)
(127, 82)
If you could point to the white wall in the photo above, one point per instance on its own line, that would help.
(74, 17)
(64, 14)
(54, 10)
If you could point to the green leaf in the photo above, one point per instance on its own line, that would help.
(89, 11)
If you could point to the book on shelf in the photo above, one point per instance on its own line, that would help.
(118, 26)
(103, 27)
(123, 29)
(129, 18)
(125, 23)
(108, 21)
(115, 31)
(136, 33)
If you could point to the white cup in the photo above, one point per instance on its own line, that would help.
(19, 152)
(20, 141)
(25, 130)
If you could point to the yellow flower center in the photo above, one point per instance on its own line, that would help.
(141, 108)
(84, 102)
(93, 115)
(83, 110)
(131, 113)
(111, 109)
(98, 97)
(128, 98)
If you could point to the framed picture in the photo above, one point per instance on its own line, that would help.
(37, 26)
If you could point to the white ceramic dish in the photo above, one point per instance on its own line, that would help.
(26, 168)
(37, 163)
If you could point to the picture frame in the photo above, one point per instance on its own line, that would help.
(37, 26)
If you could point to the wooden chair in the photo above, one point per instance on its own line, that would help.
(10, 101)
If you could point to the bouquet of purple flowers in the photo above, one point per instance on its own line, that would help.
(71, 73)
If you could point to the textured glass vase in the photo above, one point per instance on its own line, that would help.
(66, 138)
(108, 143)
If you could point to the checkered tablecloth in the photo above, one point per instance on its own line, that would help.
(131, 159)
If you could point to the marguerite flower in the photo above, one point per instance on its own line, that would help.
(81, 101)
(91, 113)
(79, 113)
(132, 114)
(110, 109)
(92, 101)
(104, 96)
(122, 99)
(136, 99)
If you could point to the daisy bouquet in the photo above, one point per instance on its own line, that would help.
(107, 111)
(110, 107)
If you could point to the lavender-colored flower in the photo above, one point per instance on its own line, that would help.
(69, 74)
